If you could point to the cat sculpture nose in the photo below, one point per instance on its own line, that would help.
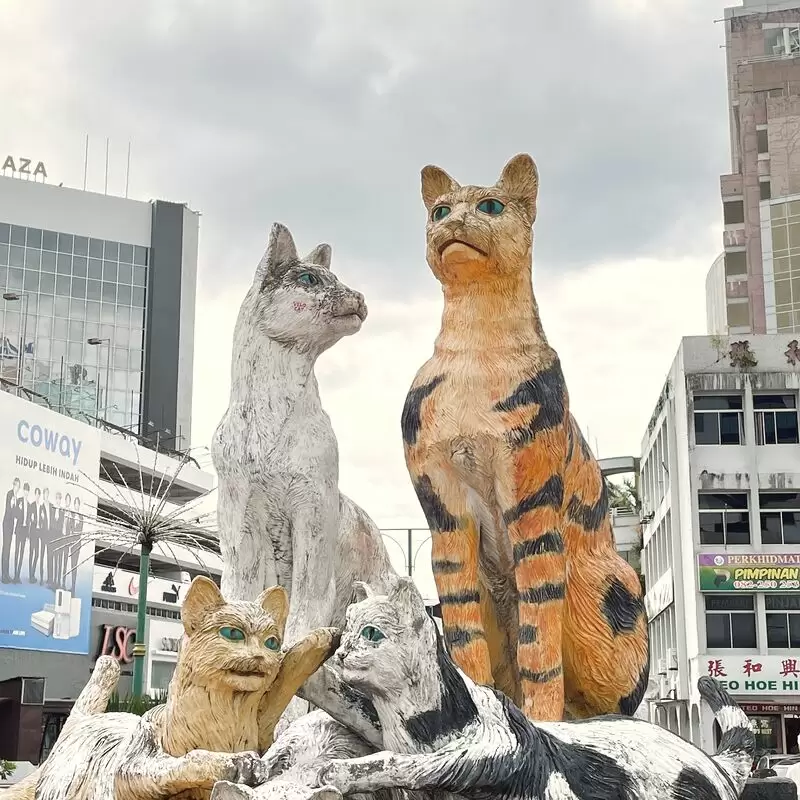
(361, 305)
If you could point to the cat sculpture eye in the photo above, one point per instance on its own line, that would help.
(372, 634)
(272, 643)
(308, 279)
(491, 207)
(232, 634)
(440, 212)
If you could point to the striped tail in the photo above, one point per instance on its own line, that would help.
(738, 744)
(93, 699)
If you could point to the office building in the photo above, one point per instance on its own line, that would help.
(756, 289)
(99, 303)
(720, 483)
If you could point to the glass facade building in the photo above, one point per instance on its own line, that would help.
(97, 304)
(61, 291)
(785, 220)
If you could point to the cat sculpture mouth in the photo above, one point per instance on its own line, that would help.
(451, 242)
(361, 313)
(248, 673)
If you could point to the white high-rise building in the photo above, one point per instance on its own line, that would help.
(720, 484)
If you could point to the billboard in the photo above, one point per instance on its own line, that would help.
(754, 674)
(45, 572)
(747, 572)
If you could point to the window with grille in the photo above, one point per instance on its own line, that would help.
(783, 620)
(718, 419)
(724, 518)
(730, 622)
(776, 418)
(780, 517)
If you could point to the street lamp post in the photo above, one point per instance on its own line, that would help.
(14, 296)
(95, 341)
(140, 646)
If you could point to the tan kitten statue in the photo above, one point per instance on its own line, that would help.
(231, 685)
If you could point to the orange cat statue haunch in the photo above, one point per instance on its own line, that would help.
(535, 600)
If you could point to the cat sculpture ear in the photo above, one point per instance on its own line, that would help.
(405, 594)
(361, 591)
(320, 255)
(275, 602)
(202, 597)
(281, 248)
(520, 181)
(435, 183)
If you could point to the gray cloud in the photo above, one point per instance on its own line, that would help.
(321, 115)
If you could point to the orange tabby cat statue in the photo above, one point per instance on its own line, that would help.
(535, 600)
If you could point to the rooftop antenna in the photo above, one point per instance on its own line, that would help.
(85, 162)
(105, 187)
(128, 169)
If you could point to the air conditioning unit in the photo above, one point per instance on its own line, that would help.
(662, 666)
(74, 617)
(61, 623)
(672, 659)
(673, 685)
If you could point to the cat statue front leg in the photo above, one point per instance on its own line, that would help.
(312, 603)
(299, 662)
(151, 773)
(437, 771)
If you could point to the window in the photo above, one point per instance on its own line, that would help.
(735, 263)
(766, 189)
(739, 314)
(762, 138)
(783, 620)
(718, 419)
(733, 212)
(161, 674)
(776, 418)
(780, 517)
(730, 622)
(724, 518)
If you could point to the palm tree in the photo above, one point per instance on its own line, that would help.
(130, 519)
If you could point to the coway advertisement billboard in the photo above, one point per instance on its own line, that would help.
(49, 502)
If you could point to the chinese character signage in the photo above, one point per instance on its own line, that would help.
(760, 572)
(47, 465)
(754, 674)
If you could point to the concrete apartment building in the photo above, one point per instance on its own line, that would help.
(720, 487)
(751, 286)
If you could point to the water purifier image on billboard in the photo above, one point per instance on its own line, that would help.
(45, 571)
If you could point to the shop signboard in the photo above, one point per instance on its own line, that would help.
(749, 572)
(754, 674)
(48, 463)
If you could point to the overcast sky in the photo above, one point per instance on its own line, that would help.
(321, 114)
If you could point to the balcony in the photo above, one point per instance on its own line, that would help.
(731, 186)
(734, 236)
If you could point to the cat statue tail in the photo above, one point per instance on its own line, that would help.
(93, 699)
(738, 744)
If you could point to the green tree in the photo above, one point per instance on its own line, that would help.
(624, 496)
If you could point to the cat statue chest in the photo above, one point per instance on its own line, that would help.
(278, 432)
(462, 406)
